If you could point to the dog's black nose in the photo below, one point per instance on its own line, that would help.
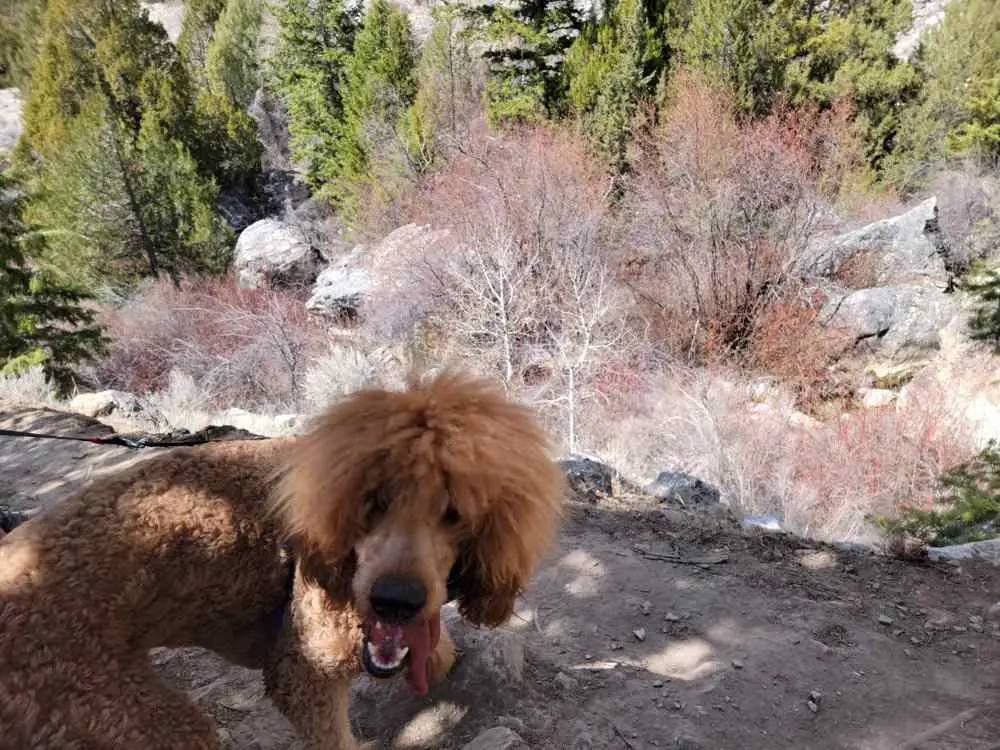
(397, 598)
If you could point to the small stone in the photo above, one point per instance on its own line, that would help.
(897, 632)
(615, 646)
(813, 706)
(497, 738)
(737, 664)
(657, 683)
(640, 634)
(566, 682)
(671, 617)
(884, 620)
(646, 607)
(994, 612)
(815, 696)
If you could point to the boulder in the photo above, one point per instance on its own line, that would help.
(876, 398)
(271, 252)
(988, 550)
(897, 322)
(679, 487)
(497, 738)
(909, 248)
(169, 14)
(589, 477)
(339, 292)
(118, 403)
(11, 120)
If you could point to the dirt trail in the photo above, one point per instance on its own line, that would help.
(656, 628)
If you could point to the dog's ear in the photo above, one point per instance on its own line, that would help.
(504, 482)
(335, 578)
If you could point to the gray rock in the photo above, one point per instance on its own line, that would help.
(11, 121)
(497, 738)
(237, 208)
(169, 14)
(339, 292)
(683, 488)
(766, 521)
(271, 252)
(588, 476)
(897, 322)
(986, 550)
(904, 249)
(118, 403)
(926, 15)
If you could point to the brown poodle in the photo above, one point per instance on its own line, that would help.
(311, 558)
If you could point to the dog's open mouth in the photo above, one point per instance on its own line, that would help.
(387, 648)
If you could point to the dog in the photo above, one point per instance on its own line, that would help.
(312, 558)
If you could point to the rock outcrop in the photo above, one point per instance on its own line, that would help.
(275, 253)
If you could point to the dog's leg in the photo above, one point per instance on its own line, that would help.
(312, 699)
(443, 659)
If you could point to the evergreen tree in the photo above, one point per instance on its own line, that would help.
(957, 112)
(231, 59)
(737, 42)
(41, 322)
(379, 86)
(197, 26)
(446, 89)
(606, 71)
(315, 38)
(20, 35)
(107, 129)
(526, 44)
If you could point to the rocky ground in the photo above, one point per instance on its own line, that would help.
(648, 627)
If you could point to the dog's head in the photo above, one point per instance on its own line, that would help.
(396, 497)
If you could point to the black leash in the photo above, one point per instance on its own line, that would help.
(122, 440)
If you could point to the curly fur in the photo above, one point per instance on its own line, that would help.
(191, 548)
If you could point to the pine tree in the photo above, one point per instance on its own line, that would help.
(231, 59)
(606, 74)
(446, 90)
(526, 44)
(957, 111)
(41, 322)
(736, 42)
(200, 17)
(378, 87)
(315, 38)
(107, 129)
(20, 35)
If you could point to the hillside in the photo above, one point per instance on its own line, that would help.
(650, 626)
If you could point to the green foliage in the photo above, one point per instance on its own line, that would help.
(231, 58)
(306, 69)
(956, 112)
(984, 285)
(378, 88)
(446, 88)
(969, 512)
(20, 34)
(109, 130)
(200, 17)
(526, 44)
(738, 42)
(606, 71)
(41, 321)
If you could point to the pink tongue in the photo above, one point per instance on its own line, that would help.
(422, 638)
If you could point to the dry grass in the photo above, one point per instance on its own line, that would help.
(239, 347)
(823, 478)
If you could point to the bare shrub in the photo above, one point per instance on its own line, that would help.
(825, 479)
(341, 370)
(520, 288)
(718, 213)
(28, 388)
(241, 347)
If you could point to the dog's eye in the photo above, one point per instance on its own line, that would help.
(451, 516)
